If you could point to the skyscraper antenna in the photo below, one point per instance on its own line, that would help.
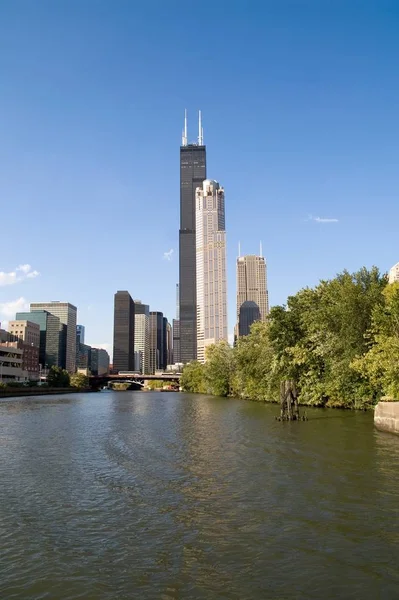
(184, 134)
(260, 249)
(200, 130)
(239, 249)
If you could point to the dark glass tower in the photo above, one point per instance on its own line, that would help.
(192, 174)
(123, 332)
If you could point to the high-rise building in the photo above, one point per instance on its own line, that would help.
(211, 266)
(123, 332)
(67, 314)
(252, 285)
(80, 334)
(169, 345)
(394, 274)
(156, 341)
(141, 337)
(27, 334)
(176, 329)
(192, 174)
(249, 313)
(50, 341)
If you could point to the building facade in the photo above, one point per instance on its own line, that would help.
(80, 334)
(123, 332)
(252, 285)
(156, 341)
(67, 314)
(27, 334)
(99, 364)
(50, 340)
(249, 313)
(142, 337)
(192, 174)
(11, 361)
(211, 266)
(393, 273)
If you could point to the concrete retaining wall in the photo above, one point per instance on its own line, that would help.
(386, 416)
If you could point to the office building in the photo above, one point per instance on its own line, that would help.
(99, 364)
(169, 345)
(192, 174)
(11, 361)
(211, 267)
(249, 313)
(83, 361)
(176, 329)
(27, 334)
(394, 274)
(50, 340)
(252, 285)
(123, 332)
(80, 334)
(67, 314)
(156, 341)
(141, 337)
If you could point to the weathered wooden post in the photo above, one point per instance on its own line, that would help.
(289, 410)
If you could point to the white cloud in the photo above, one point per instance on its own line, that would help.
(8, 309)
(168, 255)
(322, 219)
(19, 274)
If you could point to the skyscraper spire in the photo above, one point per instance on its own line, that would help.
(239, 249)
(200, 130)
(184, 134)
(260, 249)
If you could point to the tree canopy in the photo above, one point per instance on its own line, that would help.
(339, 341)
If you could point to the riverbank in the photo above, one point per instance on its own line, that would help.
(40, 391)
(386, 417)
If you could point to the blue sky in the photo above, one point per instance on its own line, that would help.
(300, 110)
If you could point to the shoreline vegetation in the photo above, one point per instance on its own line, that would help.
(338, 341)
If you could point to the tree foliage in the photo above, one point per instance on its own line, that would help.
(58, 377)
(339, 341)
(79, 380)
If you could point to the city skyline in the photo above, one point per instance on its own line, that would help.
(300, 126)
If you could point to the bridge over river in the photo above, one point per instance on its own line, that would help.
(97, 381)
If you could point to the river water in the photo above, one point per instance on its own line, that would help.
(125, 495)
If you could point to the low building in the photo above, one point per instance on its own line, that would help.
(11, 359)
(27, 335)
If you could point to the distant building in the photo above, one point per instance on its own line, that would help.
(99, 362)
(80, 334)
(211, 267)
(50, 340)
(156, 341)
(123, 332)
(252, 285)
(176, 340)
(141, 337)
(249, 313)
(169, 344)
(27, 334)
(394, 274)
(67, 314)
(84, 357)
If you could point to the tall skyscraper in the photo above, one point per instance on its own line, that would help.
(142, 337)
(192, 174)
(67, 314)
(176, 329)
(123, 332)
(211, 266)
(252, 286)
(156, 341)
(249, 313)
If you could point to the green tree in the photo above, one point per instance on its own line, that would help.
(79, 380)
(193, 378)
(58, 377)
(219, 368)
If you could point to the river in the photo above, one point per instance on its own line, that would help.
(125, 495)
